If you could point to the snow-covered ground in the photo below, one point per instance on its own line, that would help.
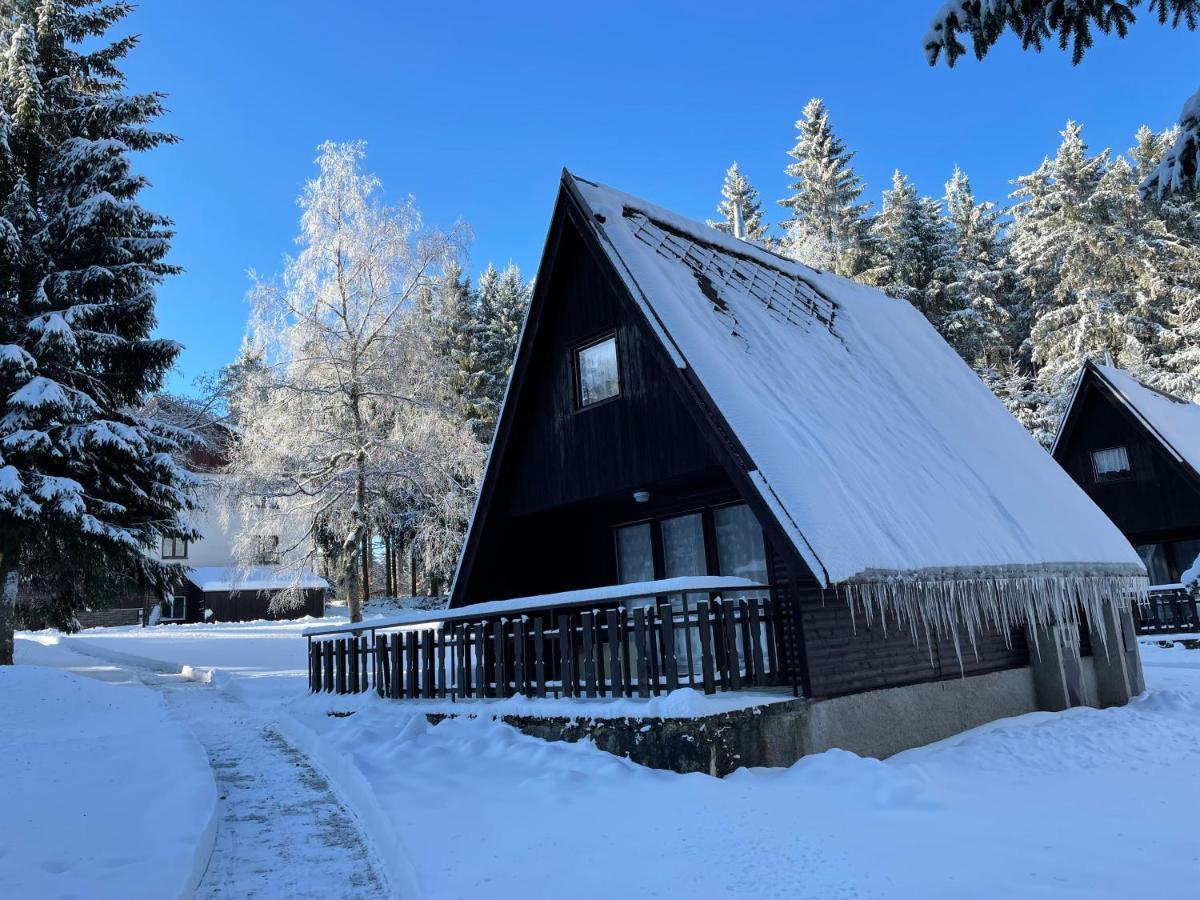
(1081, 804)
(106, 795)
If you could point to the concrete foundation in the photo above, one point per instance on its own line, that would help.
(875, 723)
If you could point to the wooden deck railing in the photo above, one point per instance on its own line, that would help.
(1167, 610)
(634, 647)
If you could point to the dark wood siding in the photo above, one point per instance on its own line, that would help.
(844, 655)
(1158, 501)
(247, 606)
(560, 454)
(568, 475)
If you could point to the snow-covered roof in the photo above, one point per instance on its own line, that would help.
(561, 599)
(1174, 422)
(253, 578)
(880, 452)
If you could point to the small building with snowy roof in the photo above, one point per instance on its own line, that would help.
(719, 468)
(1136, 452)
(214, 584)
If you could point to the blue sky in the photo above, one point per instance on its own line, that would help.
(474, 108)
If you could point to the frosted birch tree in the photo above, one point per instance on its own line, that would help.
(350, 417)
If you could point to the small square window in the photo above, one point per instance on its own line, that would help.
(174, 608)
(596, 372)
(174, 548)
(1111, 464)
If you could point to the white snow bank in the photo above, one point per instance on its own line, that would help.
(268, 657)
(683, 703)
(1080, 804)
(874, 442)
(254, 578)
(105, 795)
(583, 596)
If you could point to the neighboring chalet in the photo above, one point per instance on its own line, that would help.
(1136, 452)
(215, 587)
(716, 467)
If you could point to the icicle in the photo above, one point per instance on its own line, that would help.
(941, 602)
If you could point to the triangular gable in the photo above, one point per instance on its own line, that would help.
(677, 421)
(1173, 422)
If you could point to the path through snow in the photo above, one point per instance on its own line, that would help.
(282, 831)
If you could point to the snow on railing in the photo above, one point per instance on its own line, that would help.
(622, 640)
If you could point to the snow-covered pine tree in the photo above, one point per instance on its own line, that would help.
(738, 192)
(503, 302)
(80, 261)
(915, 258)
(1029, 403)
(1177, 216)
(351, 418)
(827, 227)
(457, 337)
(977, 321)
(1091, 256)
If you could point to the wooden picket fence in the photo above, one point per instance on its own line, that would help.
(623, 649)
(1167, 611)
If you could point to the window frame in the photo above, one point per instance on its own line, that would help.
(169, 602)
(577, 372)
(712, 561)
(1110, 477)
(175, 542)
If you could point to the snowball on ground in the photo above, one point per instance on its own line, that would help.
(105, 796)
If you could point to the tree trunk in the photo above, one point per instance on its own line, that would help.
(412, 569)
(399, 562)
(367, 554)
(8, 609)
(387, 564)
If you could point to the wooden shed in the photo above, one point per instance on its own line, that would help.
(230, 594)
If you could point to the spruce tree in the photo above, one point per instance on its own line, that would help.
(1092, 258)
(503, 302)
(827, 227)
(80, 261)
(977, 323)
(457, 337)
(1178, 217)
(915, 254)
(738, 192)
(1029, 403)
